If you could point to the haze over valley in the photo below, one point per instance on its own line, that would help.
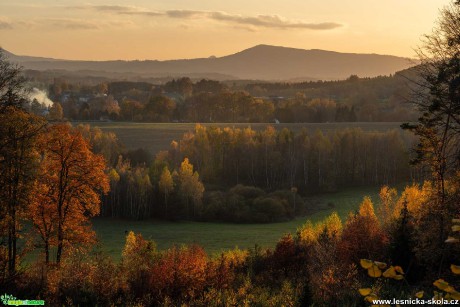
(262, 62)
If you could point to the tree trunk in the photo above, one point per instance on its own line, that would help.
(47, 252)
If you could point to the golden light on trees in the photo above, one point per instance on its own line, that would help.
(67, 194)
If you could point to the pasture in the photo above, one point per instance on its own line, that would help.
(157, 136)
(216, 237)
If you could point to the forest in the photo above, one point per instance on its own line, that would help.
(380, 99)
(242, 175)
(56, 177)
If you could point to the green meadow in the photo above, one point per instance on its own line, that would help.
(217, 237)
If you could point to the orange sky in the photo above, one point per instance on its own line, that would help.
(149, 29)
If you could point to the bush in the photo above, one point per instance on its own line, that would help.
(247, 191)
(269, 209)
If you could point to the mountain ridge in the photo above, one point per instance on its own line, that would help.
(260, 62)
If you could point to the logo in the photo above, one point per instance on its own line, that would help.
(9, 300)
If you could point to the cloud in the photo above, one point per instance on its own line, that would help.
(184, 14)
(113, 8)
(120, 24)
(71, 24)
(101, 8)
(248, 22)
(118, 9)
(142, 13)
(5, 25)
(271, 21)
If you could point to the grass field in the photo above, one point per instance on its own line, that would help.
(157, 136)
(215, 237)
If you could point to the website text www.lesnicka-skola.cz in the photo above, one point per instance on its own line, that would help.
(416, 301)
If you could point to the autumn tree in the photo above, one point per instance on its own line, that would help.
(18, 133)
(67, 194)
(387, 204)
(362, 236)
(159, 109)
(436, 95)
(138, 257)
(166, 185)
(56, 112)
(180, 274)
(18, 163)
(190, 186)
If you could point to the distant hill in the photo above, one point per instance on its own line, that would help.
(261, 62)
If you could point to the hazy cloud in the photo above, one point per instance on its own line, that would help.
(72, 24)
(265, 21)
(102, 8)
(185, 14)
(272, 21)
(119, 9)
(114, 8)
(5, 25)
(143, 13)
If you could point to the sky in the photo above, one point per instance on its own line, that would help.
(180, 29)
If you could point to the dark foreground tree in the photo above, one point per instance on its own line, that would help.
(12, 84)
(437, 96)
(18, 132)
(18, 162)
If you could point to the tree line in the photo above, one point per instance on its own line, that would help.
(355, 99)
(309, 161)
(244, 175)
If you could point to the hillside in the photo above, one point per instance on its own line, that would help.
(261, 62)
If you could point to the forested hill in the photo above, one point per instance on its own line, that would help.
(261, 62)
(379, 99)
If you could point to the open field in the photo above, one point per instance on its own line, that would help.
(215, 237)
(157, 136)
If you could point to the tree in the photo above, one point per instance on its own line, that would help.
(18, 131)
(166, 185)
(362, 235)
(67, 194)
(190, 187)
(437, 96)
(387, 204)
(159, 109)
(138, 257)
(56, 112)
(12, 85)
(18, 163)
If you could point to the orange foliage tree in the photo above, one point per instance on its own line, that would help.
(362, 235)
(68, 191)
(180, 273)
(18, 134)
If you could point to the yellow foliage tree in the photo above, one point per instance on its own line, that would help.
(190, 186)
(166, 186)
(387, 204)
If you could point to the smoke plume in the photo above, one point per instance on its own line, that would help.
(41, 96)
